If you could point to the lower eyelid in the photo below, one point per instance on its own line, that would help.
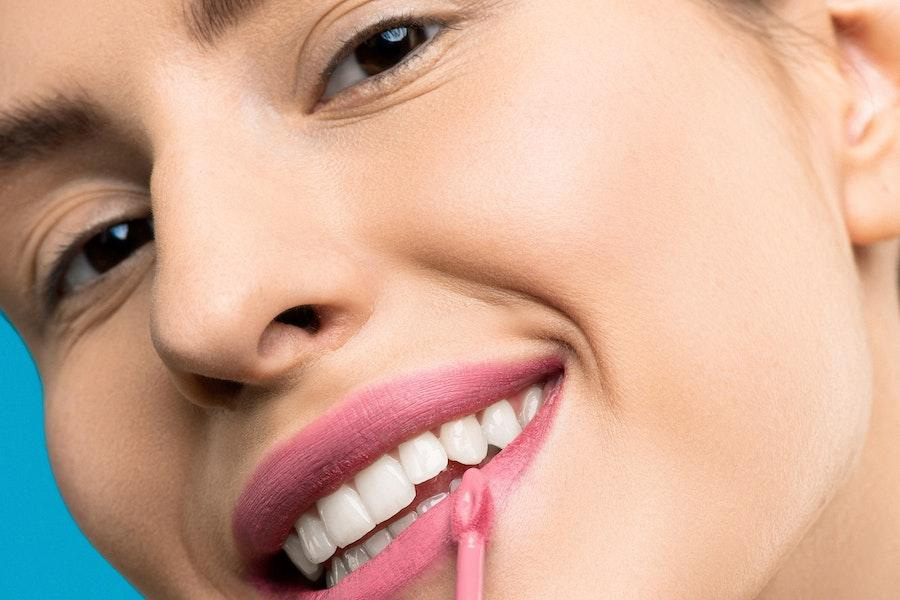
(96, 294)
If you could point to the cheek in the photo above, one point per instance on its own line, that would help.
(119, 448)
(621, 188)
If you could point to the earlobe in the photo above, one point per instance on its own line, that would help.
(867, 30)
(872, 204)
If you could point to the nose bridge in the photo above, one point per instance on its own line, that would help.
(251, 281)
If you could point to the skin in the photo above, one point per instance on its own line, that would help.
(706, 224)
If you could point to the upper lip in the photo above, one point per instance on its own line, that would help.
(368, 423)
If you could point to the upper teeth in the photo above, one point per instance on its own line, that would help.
(387, 486)
(422, 457)
(464, 441)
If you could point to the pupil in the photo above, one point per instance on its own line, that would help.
(113, 245)
(385, 50)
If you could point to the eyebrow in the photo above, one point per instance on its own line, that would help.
(208, 20)
(39, 127)
(35, 129)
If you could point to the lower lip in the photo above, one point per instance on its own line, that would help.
(428, 542)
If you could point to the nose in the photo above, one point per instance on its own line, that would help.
(252, 283)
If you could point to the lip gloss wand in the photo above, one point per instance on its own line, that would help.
(470, 522)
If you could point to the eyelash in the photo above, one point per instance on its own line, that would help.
(66, 252)
(349, 45)
(63, 256)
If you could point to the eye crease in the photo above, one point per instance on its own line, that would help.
(378, 53)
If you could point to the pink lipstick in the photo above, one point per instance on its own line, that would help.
(470, 523)
(319, 459)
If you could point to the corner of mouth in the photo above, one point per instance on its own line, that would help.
(367, 470)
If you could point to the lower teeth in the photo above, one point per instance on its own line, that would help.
(356, 556)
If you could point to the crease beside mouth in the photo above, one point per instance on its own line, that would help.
(345, 529)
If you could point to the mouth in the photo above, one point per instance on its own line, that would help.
(353, 505)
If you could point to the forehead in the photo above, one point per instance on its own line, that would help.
(53, 46)
(49, 43)
(70, 23)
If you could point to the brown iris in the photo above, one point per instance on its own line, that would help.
(114, 244)
(386, 49)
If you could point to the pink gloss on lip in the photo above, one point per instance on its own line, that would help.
(370, 422)
(470, 523)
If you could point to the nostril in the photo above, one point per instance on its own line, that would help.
(305, 317)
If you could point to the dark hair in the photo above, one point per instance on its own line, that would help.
(758, 19)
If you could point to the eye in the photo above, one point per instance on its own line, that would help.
(103, 252)
(379, 53)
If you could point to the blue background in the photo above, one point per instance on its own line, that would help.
(43, 554)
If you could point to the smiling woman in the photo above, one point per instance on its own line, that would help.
(289, 268)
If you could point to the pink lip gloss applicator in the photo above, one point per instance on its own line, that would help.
(470, 522)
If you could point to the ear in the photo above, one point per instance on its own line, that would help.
(868, 32)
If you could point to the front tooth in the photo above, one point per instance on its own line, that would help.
(429, 503)
(455, 484)
(377, 542)
(463, 441)
(499, 424)
(346, 518)
(397, 527)
(355, 557)
(314, 539)
(531, 402)
(422, 457)
(293, 547)
(384, 488)
(338, 570)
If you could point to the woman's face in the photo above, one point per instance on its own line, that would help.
(615, 185)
